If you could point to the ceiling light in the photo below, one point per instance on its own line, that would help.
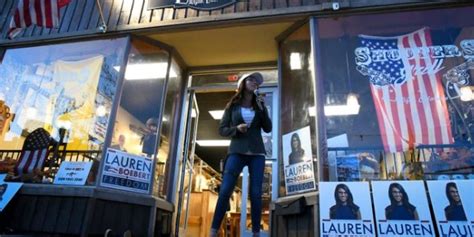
(352, 100)
(465, 93)
(145, 71)
(295, 61)
(216, 114)
(31, 112)
(213, 142)
(100, 111)
(336, 110)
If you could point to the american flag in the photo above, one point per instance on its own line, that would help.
(39, 12)
(34, 153)
(407, 90)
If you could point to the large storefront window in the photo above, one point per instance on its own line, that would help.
(140, 113)
(55, 103)
(398, 97)
(299, 164)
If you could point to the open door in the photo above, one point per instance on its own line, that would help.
(186, 172)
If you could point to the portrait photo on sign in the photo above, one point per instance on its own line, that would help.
(345, 200)
(452, 200)
(297, 147)
(400, 201)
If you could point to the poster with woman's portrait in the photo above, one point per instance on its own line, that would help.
(297, 158)
(345, 209)
(453, 207)
(401, 208)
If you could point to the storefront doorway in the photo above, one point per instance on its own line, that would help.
(200, 171)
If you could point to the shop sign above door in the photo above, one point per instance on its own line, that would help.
(197, 4)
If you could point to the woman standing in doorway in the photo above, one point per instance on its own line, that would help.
(244, 118)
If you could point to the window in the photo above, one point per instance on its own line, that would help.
(65, 87)
(398, 98)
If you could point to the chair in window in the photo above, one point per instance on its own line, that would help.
(35, 153)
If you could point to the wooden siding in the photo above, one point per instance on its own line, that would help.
(38, 210)
(81, 17)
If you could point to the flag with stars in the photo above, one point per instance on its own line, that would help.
(407, 90)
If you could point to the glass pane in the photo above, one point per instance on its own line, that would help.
(68, 87)
(297, 105)
(169, 123)
(398, 95)
(138, 115)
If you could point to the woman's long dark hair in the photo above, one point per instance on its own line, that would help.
(350, 199)
(450, 199)
(295, 135)
(405, 199)
(239, 95)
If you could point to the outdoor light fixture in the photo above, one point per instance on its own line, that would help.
(213, 142)
(216, 114)
(465, 93)
(295, 61)
(146, 71)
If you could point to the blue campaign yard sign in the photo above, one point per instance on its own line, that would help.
(197, 4)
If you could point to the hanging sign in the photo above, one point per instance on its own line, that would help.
(452, 206)
(127, 172)
(401, 208)
(7, 191)
(196, 4)
(298, 160)
(73, 173)
(347, 212)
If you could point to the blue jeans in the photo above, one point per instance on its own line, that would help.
(233, 167)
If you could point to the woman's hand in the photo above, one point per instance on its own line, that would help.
(242, 127)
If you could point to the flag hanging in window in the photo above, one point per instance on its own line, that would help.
(406, 88)
(39, 12)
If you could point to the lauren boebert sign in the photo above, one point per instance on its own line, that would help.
(125, 171)
(401, 208)
(453, 207)
(73, 173)
(345, 209)
(299, 170)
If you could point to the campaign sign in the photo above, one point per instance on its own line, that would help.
(73, 173)
(401, 208)
(298, 160)
(126, 171)
(453, 207)
(345, 209)
(7, 191)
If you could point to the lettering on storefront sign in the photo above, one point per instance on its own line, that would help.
(125, 171)
(365, 55)
(196, 4)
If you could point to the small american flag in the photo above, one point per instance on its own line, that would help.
(407, 90)
(39, 12)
